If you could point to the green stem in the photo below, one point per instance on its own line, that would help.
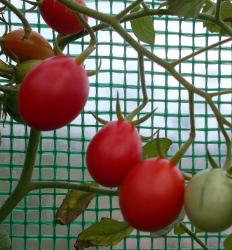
(218, 115)
(144, 89)
(8, 90)
(128, 9)
(218, 9)
(194, 236)
(212, 19)
(85, 10)
(26, 25)
(177, 157)
(85, 54)
(225, 92)
(63, 185)
(23, 186)
(200, 51)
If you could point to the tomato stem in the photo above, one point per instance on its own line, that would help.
(218, 10)
(130, 7)
(23, 185)
(194, 236)
(63, 185)
(118, 109)
(144, 89)
(177, 157)
(26, 25)
(200, 51)
(100, 120)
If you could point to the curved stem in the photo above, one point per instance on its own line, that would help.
(85, 54)
(177, 157)
(144, 89)
(194, 236)
(218, 9)
(128, 9)
(26, 25)
(23, 186)
(66, 185)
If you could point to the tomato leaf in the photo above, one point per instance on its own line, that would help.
(185, 8)
(150, 149)
(107, 232)
(225, 13)
(178, 230)
(143, 28)
(73, 205)
(198, 230)
(228, 243)
(5, 243)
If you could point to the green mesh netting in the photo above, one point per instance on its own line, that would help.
(61, 153)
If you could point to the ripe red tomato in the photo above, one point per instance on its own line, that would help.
(152, 194)
(112, 152)
(60, 18)
(53, 93)
(19, 49)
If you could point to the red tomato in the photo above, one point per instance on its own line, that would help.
(60, 18)
(112, 152)
(152, 194)
(19, 49)
(53, 93)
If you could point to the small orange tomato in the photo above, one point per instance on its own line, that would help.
(21, 49)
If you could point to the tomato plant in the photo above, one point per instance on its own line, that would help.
(53, 93)
(21, 49)
(208, 200)
(151, 196)
(10, 106)
(23, 68)
(112, 152)
(60, 18)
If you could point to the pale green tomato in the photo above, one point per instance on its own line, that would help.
(208, 200)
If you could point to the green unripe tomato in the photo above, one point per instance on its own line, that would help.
(208, 200)
(10, 106)
(23, 68)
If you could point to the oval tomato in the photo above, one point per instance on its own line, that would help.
(112, 152)
(53, 93)
(208, 200)
(19, 49)
(10, 106)
(60, 18)
(152, 195)
(23, 68)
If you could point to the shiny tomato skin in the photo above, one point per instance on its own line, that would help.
(113, 152)
(60, 18)
(53, 93)
(152, 195)
(208, 200)
(19, 49)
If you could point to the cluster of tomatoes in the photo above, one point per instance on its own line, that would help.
(53, 90)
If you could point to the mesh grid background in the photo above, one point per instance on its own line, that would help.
(61, 155)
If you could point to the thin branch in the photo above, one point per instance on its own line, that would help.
(63, 185)
(200, 51)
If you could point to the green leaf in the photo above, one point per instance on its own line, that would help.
(211, 160)
(143, 28)
(225, 14)
(185, 8)
(178, 230)
(5, 243)
(73, 205)
(107, 232)
(228, 243)
(150, 149)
